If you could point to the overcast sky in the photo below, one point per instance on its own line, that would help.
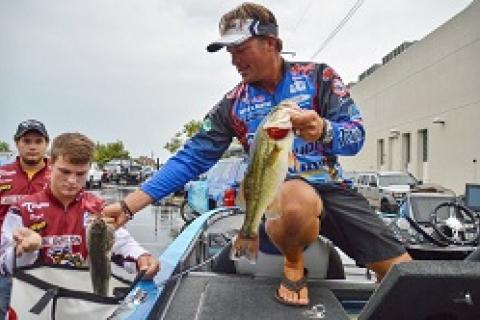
(137, 71)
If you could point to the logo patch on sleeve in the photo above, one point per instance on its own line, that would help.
(207, 125)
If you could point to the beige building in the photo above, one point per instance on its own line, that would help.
(421, 108)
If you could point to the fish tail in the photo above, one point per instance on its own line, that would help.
(243, 247)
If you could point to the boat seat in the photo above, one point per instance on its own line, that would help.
(321, 259)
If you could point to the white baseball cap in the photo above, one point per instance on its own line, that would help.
(239, 31)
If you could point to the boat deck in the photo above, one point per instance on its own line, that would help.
(213, 295)
(204, 295)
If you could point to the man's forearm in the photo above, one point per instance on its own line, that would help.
(137, 200)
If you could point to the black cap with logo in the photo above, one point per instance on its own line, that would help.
(28, 126)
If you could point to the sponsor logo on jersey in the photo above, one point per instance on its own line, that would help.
(254, 107)
(30, 206)
(62, 240)
(257, 99)
(38, 226)
(5, 186)
(298, 86)
(328, 74)
(349, 136)
(65, 256)
(7, 173)
(301, 99)
(10, 199)
(36, 217)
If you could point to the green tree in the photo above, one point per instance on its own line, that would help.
(175, 143)
(4, 146)
(188, 131)
(191, 128)
(109, 151)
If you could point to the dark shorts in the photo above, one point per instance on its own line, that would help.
(352, 225)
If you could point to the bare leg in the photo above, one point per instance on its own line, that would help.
(297, 227)
(381, 267)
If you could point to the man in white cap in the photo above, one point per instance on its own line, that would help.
(327, 124)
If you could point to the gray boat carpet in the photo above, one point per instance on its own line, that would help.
(257, 302)
(248, 299)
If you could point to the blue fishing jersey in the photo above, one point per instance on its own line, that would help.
(312, 86)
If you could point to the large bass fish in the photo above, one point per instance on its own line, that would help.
(267, 169)
(100, 238)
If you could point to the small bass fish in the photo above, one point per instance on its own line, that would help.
(100, 238)
(267, 169)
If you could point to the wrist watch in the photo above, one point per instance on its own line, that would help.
(327, 134)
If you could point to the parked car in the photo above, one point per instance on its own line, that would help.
(385, 190)
(147, 172)
(94, 177)
(352, 178)
(116, 170)
(131, 174)
(217, 188)
(111, 172)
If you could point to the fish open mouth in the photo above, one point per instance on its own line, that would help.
(277, 133)
(278, 123)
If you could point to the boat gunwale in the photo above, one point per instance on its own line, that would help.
(172, 260)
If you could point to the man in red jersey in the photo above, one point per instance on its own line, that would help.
(49, 227)
(28, 174)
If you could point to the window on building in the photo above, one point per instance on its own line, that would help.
(380, 152)
(406, 148)
(424, 144)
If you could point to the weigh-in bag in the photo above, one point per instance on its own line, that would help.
(59, 292)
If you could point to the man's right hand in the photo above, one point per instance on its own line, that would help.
(114, 211)
(135, 201)
(26, 240)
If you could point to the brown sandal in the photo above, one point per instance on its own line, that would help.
(294, 286)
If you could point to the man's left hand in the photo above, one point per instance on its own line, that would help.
(148, 263)
(307, 124)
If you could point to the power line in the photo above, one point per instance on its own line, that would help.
(345, 19)
(297, 24)
(302, 16)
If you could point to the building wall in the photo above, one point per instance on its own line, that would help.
(434, 86)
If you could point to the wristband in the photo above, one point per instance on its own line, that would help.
(126, 210)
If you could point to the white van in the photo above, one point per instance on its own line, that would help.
(94, 176)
